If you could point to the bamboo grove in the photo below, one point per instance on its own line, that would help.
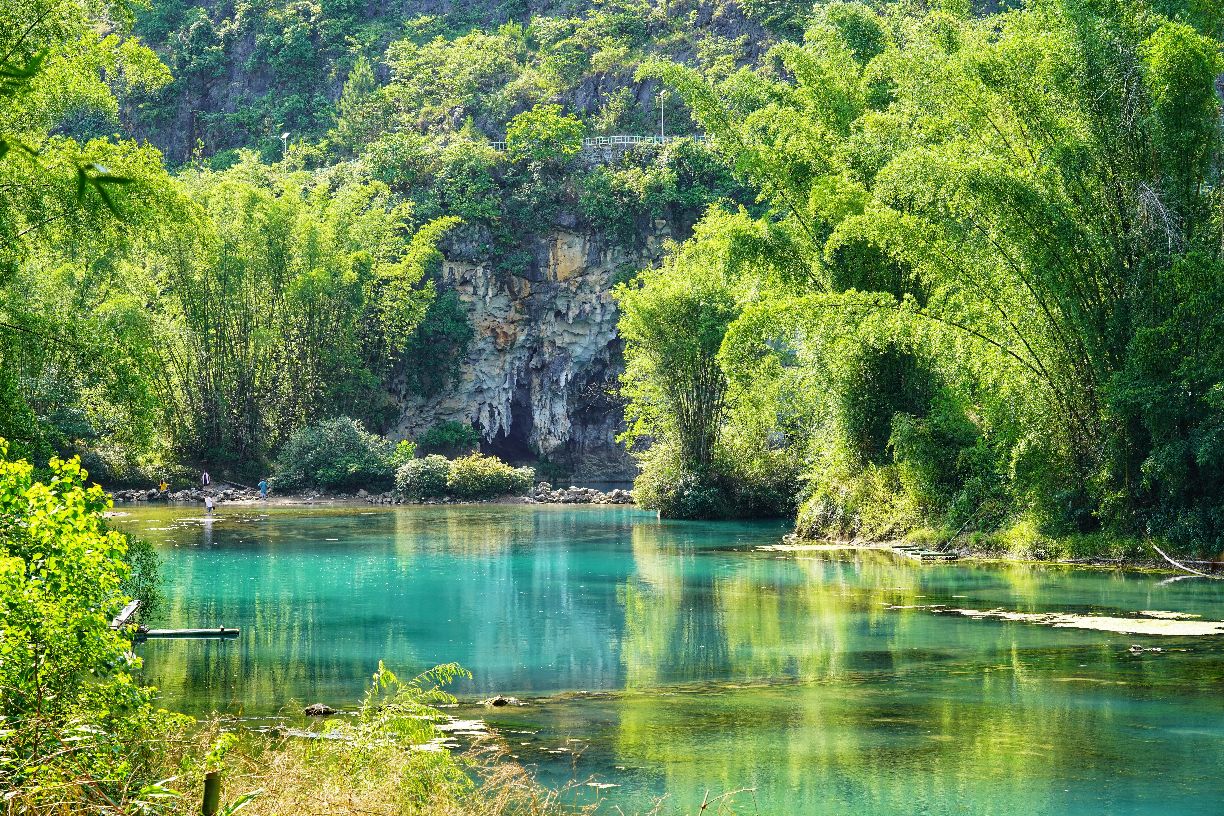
(985, 295)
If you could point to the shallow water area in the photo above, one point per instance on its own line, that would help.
(678, 660)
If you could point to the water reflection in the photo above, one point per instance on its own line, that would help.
(728, 667)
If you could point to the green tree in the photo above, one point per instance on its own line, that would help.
(74, 725)
(74, 336)
(673, 322)
(544, 136)
(995, 200)
(291, 301)
(358, 112)
(336, 453)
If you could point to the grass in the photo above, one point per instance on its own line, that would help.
(383, 760)
(324, 777)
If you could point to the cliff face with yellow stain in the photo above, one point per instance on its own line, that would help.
(540, 374)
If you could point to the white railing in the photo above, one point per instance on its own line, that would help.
(624, 140)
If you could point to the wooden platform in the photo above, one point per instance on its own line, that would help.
(219, 633)
(121, 620)
(918, 553)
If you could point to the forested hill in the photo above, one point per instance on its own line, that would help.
(425, 98)
(928, 271)
(246, 73)
(306, 144)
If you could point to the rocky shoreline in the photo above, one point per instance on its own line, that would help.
(542, 493)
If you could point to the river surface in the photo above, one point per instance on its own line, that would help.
(677, 660)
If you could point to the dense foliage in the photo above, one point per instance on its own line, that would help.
(291, 300)
(988, 286)
(286, 272)
(339, 453)
(473, 478)
(423, 478)
(487, 477)
(74, 336)
(68, 703)
(449, 438)
(948, 273)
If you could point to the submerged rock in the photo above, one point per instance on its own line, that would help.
(499, 701)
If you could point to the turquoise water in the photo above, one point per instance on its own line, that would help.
(675, 660)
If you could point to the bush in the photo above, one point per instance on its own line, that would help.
(335, 453)
(733, 488)
(423, 478)
(77, 726)
(487, 477)
(404, 452)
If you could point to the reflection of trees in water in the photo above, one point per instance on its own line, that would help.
(857, 708)
(288, 649)
(891, 711)
(529, 615)
(671, 630)
(514, 593)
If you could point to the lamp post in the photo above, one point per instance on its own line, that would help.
(284, 144)
(662, 132)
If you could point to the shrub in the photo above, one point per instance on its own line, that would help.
(77, 726)
(486, 477)
(544, 135)
(335, 453)
(423, 478)
(733, 488)
(405, 450)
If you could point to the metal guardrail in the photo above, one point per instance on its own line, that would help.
(623, 140)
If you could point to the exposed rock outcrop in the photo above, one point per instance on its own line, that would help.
(540, 372)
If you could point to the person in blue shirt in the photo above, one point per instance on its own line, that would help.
(263, 488)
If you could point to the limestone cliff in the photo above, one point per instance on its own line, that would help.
(540, 375)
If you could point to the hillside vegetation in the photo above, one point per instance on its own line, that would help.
(201, 304)
(943, 273)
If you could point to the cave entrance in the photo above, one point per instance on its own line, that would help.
(514, 445)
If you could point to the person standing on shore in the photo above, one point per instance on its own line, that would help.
(263, 488)
(205, 480)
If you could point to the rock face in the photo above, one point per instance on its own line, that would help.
(540, 372)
